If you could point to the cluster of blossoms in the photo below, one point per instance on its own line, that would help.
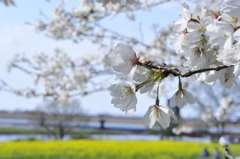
(141, 76)
(57, 77)
(116, 6)
(207, 37)
(72, 24)
(221, 114)
(85, 22)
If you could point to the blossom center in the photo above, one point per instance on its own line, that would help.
(127, 91)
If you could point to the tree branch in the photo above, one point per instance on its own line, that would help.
(190, 73)
(172, 70)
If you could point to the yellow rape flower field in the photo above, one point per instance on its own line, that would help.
(94, 149)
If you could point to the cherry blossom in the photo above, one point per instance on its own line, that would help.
(224, 108)
(77, 76)
(123, 96)
(181, 97)
(122, 59)
(158, 116)
(226, 77)
(224, 140)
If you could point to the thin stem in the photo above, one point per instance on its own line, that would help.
(140, 85)
(157, 97)
(23, 69)
(179, 83)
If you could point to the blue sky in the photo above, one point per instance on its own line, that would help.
(18, 37)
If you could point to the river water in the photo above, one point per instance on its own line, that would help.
(12, 137)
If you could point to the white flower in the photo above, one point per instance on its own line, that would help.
(123, 96)
(141, 74)
(182, 23)
(223, 109)
(230, 55)
(122, 59)
(218, 33)
(63, 97)
(181, 98)
(146, 77)
(158, 116)
(225, 76)
(224, 140)
(236, 70)
(193, 45)
(208, 115)
(80, 77)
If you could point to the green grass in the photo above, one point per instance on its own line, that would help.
(89, 149)
(75, 133)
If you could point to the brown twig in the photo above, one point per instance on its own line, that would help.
(171, 70)
(218, 68)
